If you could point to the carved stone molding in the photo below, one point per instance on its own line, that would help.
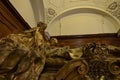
(114, 9)
(51, 11)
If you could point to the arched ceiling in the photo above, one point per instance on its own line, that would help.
(51, 9)
(54, 7)
(46, 10)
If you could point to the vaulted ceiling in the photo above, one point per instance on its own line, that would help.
(51, 8)
(57, 13)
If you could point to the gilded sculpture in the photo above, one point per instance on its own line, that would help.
(31, 55)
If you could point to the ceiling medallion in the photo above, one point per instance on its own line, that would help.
(51, 11)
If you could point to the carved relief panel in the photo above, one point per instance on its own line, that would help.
(53, 7)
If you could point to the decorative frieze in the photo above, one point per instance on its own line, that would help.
(114, 9)
(53, 7)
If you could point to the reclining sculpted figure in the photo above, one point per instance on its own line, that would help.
(30, 55)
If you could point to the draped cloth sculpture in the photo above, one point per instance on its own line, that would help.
(22, 56)
(30, 55)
